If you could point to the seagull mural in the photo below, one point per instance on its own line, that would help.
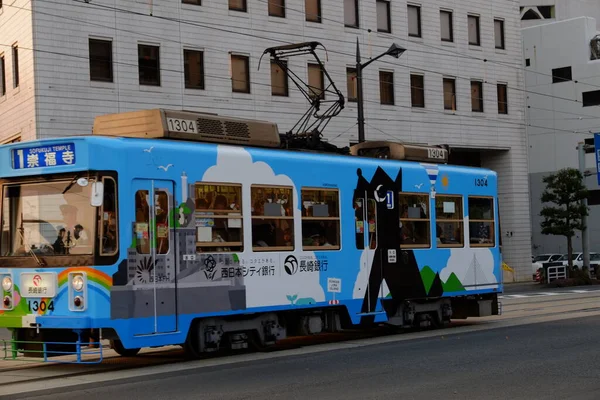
(165, 167)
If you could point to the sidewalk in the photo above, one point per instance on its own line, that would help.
(512, 287)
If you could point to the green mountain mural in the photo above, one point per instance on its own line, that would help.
(453, 284)
(427, 276)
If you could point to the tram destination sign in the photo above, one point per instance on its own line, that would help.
(43, 156)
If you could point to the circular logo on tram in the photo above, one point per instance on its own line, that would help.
(290, 265)
(37, 280)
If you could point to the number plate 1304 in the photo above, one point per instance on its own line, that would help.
(181, 125)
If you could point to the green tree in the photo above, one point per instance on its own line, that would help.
(565, 191)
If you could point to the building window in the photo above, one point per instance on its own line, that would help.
(477, 96)
(320, 219)
(277, 8)
(447, 30)
(2, 76)
(352, 84)
(195, 2)
(109, 229)
(219, 222)
(384, 20)
(238, 5)
(449, 224)
(502, 98)
(561, 74)
(417, 90)
(149, 64)
(474, 35)
(316, 81)
(499, 33)
(101, 68)
(449, 94)
(193, 65)
(279, 80)
(272, 218)
(351, 13)
(414, 21)
(386, 87)
(414, 220)
(481, 222)
(591, 98)
(15, 55)
(240, 74)
(313, 10)
(527, 62)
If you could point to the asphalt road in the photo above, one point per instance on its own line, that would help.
(555, 360)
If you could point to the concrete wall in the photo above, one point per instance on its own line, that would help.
(556, 117)
(563, 10)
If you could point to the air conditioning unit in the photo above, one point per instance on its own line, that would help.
(188, 125)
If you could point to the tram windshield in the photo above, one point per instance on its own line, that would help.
(48, 218)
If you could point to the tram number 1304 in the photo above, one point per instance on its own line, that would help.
(181, 125)
(41, 305)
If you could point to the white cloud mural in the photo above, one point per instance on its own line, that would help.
(234, 164)
(471, 267)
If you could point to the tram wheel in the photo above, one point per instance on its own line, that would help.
(117, 346)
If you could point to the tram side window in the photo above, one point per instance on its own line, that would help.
(359, 224)
(272, 218)
(372, 220)
(449, 221)
(109, 240)
(414, 220)
(162, 210)
(219, 222)
(142, 222)
(320, 219)
(481, 221)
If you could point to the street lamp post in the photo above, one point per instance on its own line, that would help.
(394, 51)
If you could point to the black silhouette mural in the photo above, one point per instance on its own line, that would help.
(403, 277)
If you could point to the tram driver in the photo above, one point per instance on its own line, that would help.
(76, 236)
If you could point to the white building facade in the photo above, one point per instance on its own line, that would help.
(459, 82)
(562, 80)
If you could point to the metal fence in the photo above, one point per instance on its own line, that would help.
(556, 273)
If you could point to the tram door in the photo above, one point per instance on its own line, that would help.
(366, 235)
(154, 237)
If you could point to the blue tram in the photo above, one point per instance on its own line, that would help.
(178, 228)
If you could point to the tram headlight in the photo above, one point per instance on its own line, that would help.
(77, 283)
(7, 283)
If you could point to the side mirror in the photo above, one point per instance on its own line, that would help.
(97, 194)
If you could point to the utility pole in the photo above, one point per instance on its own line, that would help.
(359, 96)
(585, 240)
